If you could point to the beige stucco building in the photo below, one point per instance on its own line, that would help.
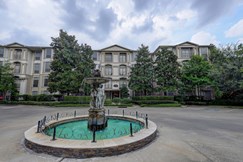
(31, 64)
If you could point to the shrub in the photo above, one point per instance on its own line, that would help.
(116, 100)
(108, 102)
(125, 101)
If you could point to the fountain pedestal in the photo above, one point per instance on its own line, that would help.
(97, 119)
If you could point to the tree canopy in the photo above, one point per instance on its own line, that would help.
(7, 80)
(227, 71)
(167, 70)
(196, 75)
(71, 64)
(142, 74)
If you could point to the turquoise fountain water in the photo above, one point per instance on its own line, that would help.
(77, 130)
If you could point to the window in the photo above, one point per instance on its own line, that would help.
(17, 83)
(45, 92)
(17, 68)
(123, 57)
(37, 68)
(38, 55)
(123, 70)
(108, 70)
(123, 82)
(45, 81)
(1, 51)
(47, 67)
(17, 54)
(108, 85)
(108, 57)
(95, 56)
(34, 92)
(204, 52)
(48, 53)
(186, 53)
(134, 56)
(35, 81)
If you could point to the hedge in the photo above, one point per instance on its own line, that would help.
(227, 102)
(161, 105)
(82, 99)
(139, 102)
(153, 98)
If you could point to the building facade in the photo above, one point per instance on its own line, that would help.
(31, 64)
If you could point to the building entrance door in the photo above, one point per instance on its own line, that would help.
(115, 94)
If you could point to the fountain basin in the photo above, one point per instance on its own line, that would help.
(72, 148)
(77, 130)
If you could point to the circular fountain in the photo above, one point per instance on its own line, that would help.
(92, 135)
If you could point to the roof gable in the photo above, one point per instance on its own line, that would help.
(115, 48)
(15, 44)
(187, 43)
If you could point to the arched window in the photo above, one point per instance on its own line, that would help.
(108, 70)
(123, 70)
(17, 54)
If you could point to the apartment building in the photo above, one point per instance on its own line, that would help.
(115, 62)
(31, 64)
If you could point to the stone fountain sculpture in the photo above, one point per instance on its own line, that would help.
(97, 119)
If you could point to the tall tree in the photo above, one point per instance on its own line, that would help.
(71, 64)
(227, 69)
(142, 75)
(167, 70)
(7, 80)
(196, 75)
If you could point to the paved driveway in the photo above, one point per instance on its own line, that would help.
(185, 134)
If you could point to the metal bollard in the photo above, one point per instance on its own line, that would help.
(44, 121)
(108, 112)
(131, 130)
(54, 134)
(57, 116)
(94, 130)
(136, 114)
(75, 113)
(38, 127)
(146, 121)
(123, 112)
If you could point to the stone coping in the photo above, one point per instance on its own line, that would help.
(41, 143)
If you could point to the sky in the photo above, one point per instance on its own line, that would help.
(128, 23)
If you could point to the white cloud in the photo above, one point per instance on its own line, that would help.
(186, 14)
(236, 30)
(4, 35)
(204, 38)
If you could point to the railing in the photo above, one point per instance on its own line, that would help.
(78, 134)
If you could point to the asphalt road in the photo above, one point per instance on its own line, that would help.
(184, 134)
